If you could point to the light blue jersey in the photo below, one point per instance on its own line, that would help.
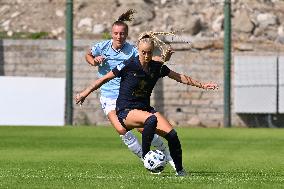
(112, 59)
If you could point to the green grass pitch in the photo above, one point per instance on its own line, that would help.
(94, 157)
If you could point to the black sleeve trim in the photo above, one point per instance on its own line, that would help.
(164, 71)
(115, 71)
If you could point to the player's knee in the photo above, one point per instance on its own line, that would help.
(119, 128)
(151, 121)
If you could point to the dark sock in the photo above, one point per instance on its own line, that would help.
(150, 126)
(175, 149)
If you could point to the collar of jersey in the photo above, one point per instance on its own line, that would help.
(119, 50)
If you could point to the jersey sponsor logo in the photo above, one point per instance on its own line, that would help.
(141, 90)
(120, 66)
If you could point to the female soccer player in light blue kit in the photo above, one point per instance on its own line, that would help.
(107, 55)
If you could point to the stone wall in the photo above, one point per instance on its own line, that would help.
(251, 19)
(183, 105)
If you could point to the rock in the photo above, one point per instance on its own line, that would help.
(271, 34)
(163, 2)
(242, 22)
(208, 13)
(85, 23)
(218, 44)
(217, 24)
(243, 36)
(259, 31)
(280, 37)
(10, 33)
(202, 45)
(126, 2)
(24, 27)
(56, 32)
(194, 121)
(6, 25)
(243, 46)
(4, 9)
(192, 25)
(266, 19)
(15, 14)
(59, 13)
(80, 6)
(169, 21)
(99, 28)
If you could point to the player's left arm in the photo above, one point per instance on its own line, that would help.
(190, 81)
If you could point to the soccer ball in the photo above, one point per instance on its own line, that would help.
(155, 161)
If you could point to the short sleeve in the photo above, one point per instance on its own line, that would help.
(96, 50)
(164, 71)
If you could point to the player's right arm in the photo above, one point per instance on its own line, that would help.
(94, 61)
(80, 97)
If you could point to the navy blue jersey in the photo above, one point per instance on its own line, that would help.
(136, 85)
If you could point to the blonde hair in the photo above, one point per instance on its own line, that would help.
(165, 48)
(147, 40)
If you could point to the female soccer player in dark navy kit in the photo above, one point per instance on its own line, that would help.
(138, 78)
(106, 55)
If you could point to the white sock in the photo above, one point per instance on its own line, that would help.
(132, 143)
(158, 143)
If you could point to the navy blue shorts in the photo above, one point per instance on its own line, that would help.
(122, 114)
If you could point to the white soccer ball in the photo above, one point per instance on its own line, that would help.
(155, 161)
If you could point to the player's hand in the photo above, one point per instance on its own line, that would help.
(210, 86)
(79, 99)
(99, 59)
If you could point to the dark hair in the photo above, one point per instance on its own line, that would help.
(127, 16)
